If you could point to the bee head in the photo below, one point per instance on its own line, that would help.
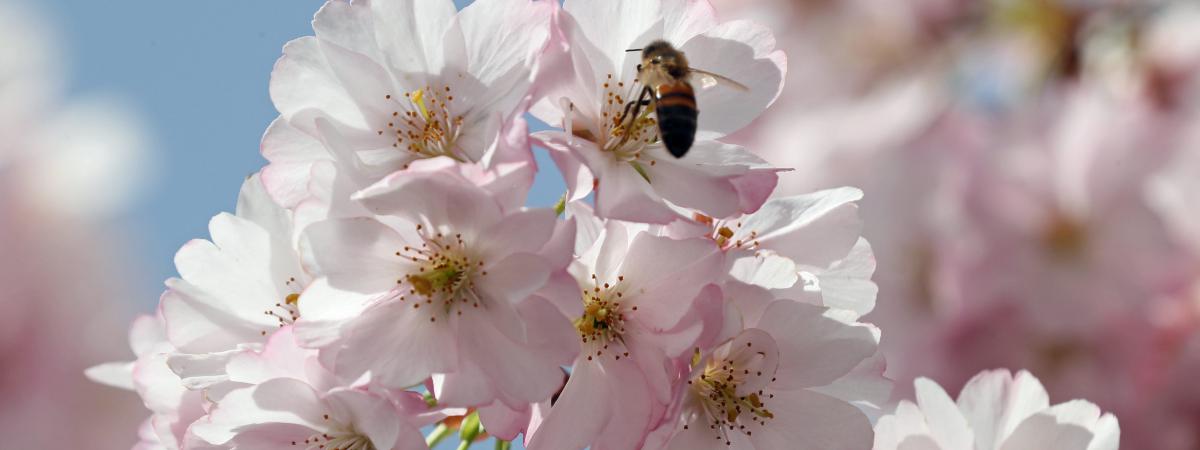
(663, 54)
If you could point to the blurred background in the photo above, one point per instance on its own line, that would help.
(1031, 169)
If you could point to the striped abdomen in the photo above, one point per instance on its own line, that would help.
(675, 105)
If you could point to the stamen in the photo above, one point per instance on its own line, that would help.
(424, 125)
(444, 273)
(287, 311)
(604, 315)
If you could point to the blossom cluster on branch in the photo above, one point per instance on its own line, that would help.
(382, 275)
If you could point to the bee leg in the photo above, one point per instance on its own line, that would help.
(640, 102)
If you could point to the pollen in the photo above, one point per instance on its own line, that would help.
(716, 389)
(287, 310)
(337, 437)
(426, 123)
(443, 273)
(729, 235)
(604, 317)
(627, 129)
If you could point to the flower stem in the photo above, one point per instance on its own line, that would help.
(439, 434)
(503, 445)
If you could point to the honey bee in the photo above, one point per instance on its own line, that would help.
(666, 77)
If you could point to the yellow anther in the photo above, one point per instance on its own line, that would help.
(418, 98)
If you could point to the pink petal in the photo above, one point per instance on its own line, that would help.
(398, 344)
(816, 346)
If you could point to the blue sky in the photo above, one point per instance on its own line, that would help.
(198, 73)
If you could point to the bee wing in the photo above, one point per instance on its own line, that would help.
(708, 80)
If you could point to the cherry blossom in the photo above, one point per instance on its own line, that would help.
(807, 246)
(385, 83)
(631, 317)
(285, 412)
(439, 283)
(174, 407)
(622, 161)
(996, 410)
(235, 290)
(764, 387)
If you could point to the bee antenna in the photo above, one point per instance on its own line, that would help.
(633, 50)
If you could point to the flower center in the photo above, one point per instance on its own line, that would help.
(626, 129)
(444, 272)
(716, 388)
(336, 440)
(603, 319)
(729, 391)
(723, 233)
(288, 310)
(424, 125)
(1064, 237)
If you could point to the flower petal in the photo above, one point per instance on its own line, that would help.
(744, 52)
(805, 419)
(356, 254)
(947, 424)
(398, 344)
(303, 83)
(816, 346)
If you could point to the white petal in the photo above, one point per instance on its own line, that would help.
(580, 414)
(412, 32)
(847, 284)
(198, 321)
(904, 424)
(254, 204)
(744, 52)
(348, 25)
(438, 198)
(805, 419)
(115, 374)
(398, 344)
(1026, 396)
(355, 254)
(947, 424)
(765, 269)
(303, 82)
(814, 229)
(815, 346)
(664, 276)
(501, 35)
(1043, 430)
(616, 26)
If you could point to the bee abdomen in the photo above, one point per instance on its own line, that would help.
(677, 113)
(677, 126)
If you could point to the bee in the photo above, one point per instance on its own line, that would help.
(666, 77)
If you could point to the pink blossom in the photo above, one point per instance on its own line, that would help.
(235, 290)
(995, 410)
(633, 320)
(285, 412)
(632, 174)
(385, 83)
(439, 283)
(173, 407)
(806, 246)
(778, 383)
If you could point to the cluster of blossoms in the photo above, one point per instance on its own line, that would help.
(381, 275)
